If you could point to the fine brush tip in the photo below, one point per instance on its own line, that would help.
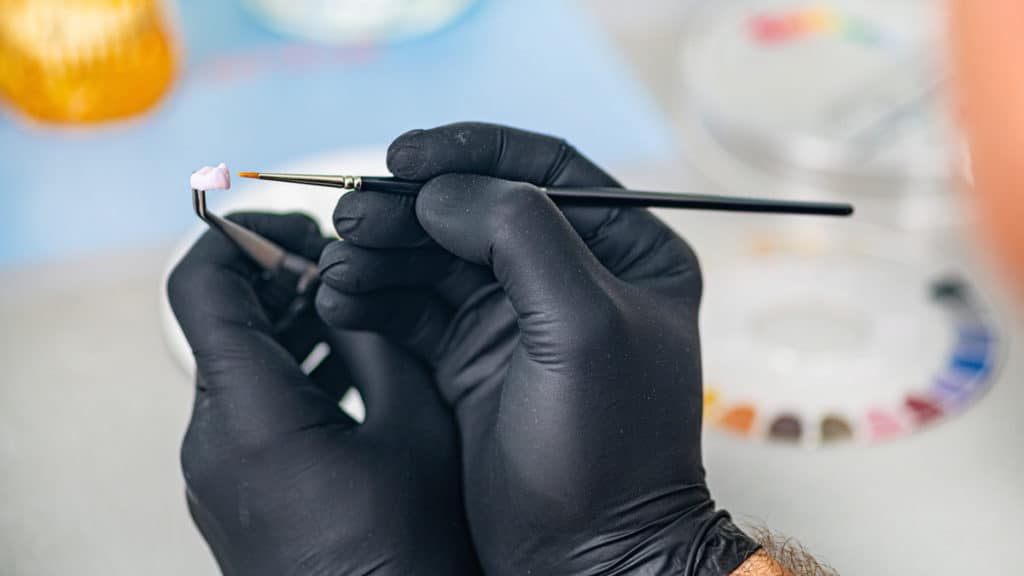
(248, 174)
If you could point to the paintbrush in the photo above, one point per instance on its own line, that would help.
(599, 196)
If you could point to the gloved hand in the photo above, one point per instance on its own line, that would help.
(566, 341)
(280, 480)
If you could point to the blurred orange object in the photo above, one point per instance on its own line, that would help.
(81, 61)
(988, 40)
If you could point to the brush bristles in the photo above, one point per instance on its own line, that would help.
(248, 174)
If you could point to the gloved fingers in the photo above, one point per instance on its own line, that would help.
(397, 390)
(544, 267)
(506, 153)
(492, 150)
(303, 334)
(416, 318)
(638, 248)
(379, 220)
(214, 286)
(354, 269)
(316, 347)
(248, 380)
(294, 232)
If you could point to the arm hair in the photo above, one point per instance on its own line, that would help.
(790, 556)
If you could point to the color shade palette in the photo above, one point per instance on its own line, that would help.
(813, 342)
(795, 24)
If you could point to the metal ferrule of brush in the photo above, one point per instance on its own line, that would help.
(344, 182)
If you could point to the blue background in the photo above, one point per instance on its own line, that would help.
(537, 64)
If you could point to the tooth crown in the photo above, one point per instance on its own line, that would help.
(211, 178)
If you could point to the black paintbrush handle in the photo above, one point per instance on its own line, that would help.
(624, 197)
(392, 185)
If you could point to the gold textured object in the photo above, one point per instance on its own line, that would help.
(82, 61)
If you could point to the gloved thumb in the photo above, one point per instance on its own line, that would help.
(546, 270)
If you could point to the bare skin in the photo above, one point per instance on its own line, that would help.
(986, 40)
(761, 564)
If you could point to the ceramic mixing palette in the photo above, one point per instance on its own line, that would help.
(802, 96)
(358, 21)
(838, 87)
(815, 339)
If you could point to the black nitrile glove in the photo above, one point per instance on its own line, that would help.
(565, 340)
(280, 480)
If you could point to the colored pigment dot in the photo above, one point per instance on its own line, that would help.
(834, 429)
(739, 419)
(786, 428)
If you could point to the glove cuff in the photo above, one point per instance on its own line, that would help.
(720, 547)
(703, 543)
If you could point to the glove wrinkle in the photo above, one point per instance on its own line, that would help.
(501, 141)
(559, 163)
(724, 547)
